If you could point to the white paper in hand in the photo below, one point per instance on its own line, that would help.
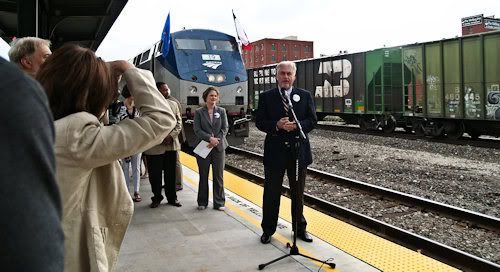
(202, 149)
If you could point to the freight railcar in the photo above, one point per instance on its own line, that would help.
(197, 59)
(439, 88)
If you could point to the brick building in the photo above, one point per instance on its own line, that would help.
(478, 24)
(270, 51)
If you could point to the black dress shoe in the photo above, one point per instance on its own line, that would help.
(175, 203)
(154, 204)
(304, 236)
(265, 239)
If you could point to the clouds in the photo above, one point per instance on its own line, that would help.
(333, 25)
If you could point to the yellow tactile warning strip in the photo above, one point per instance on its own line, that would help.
(245, 216)
(376, 251)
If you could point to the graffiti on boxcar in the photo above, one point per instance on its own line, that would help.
(434, 98)
(452, 100)
(472, 100)
(493, 105)
(411, 62)
(413, 76)
(336, 74)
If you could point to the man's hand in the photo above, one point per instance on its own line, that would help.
(281, 122)
(286, 125)
(290, 126)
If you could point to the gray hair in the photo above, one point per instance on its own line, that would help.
(286, 63)
(26, 46)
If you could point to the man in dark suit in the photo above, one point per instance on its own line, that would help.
(274, 117)
(31, 237)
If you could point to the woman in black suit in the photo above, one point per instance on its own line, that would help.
(210, 125)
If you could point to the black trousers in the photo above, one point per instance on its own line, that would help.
(156, 165)
(272, 193)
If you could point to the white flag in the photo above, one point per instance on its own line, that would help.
(242, 36)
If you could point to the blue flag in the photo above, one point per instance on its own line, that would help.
(165, 37)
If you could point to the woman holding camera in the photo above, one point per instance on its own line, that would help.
(97, 208)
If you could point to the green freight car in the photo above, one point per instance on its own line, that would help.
(437, 88)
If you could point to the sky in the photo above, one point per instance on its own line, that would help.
(333, 25)
(4, 48)
(350, 25)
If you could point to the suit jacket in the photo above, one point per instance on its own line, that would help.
(175, 144)
(97, 207)
(269, 111)
(204, 128)
(182, 134)
(31, 235)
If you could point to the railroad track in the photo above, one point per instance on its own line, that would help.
(488, 142)
(358, 190)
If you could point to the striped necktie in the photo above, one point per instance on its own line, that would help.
(284, 100)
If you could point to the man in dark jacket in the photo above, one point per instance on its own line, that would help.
(31, 236)
(274, 117)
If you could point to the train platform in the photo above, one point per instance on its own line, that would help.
(185, 239)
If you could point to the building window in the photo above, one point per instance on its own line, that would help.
(283, 47)
(273, 58)
(261, 46)
(273, 47)
(283, 58)
(306, 49)
(261, 57)
(295, 48)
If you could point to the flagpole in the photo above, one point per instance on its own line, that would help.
(240, 49)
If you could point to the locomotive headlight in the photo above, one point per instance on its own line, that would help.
(193, 89)
(239, 89)
(211, 78)
(219, 78)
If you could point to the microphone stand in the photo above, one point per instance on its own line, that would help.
(294, 250)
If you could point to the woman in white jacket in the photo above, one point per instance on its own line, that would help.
(96, 205)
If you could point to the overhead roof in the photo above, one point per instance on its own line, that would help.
(85, 22)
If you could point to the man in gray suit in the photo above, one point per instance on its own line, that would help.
(161, 158)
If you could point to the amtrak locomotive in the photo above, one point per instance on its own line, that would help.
(197, 59)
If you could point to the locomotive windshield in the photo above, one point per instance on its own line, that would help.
(223, 45)
(192, 44)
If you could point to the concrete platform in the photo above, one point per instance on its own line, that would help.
(185, 239)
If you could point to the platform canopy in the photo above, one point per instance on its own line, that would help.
(85, 22)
